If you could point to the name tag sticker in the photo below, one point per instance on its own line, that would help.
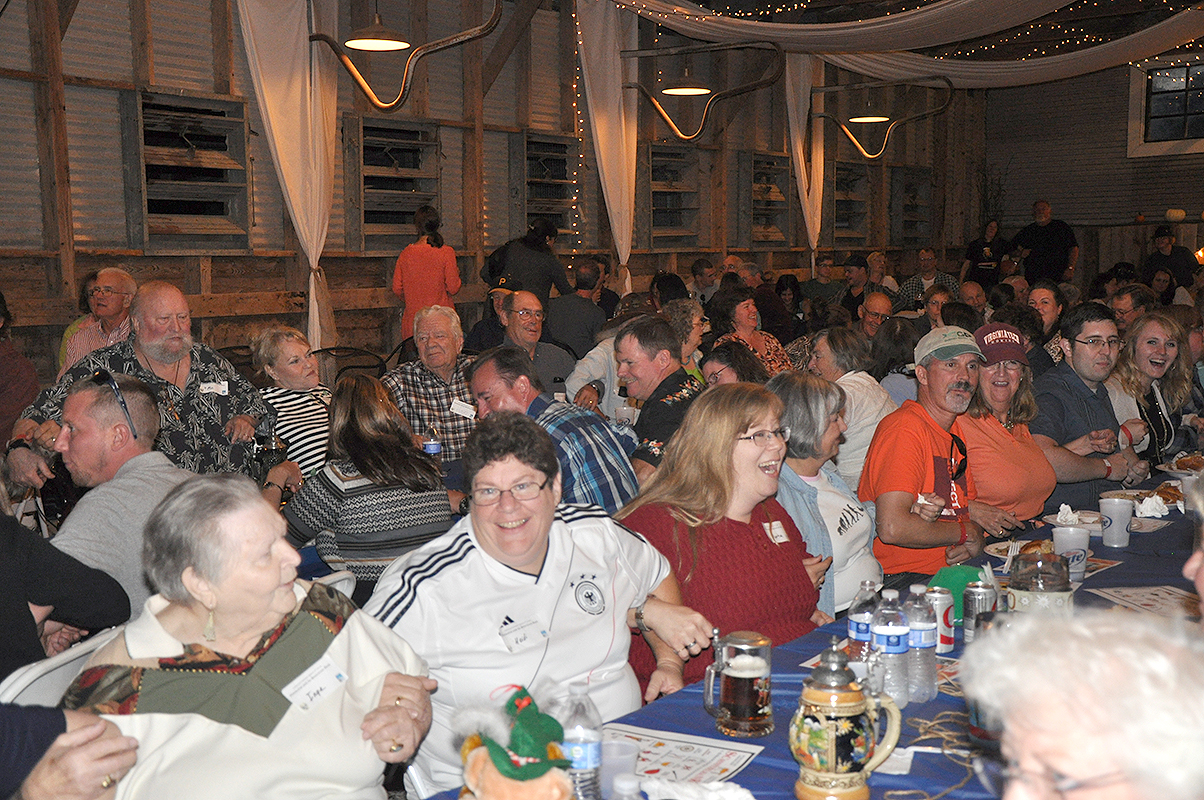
(775, 531)
(458, 406)
(216, 387)
(314, 684)
(519, 636)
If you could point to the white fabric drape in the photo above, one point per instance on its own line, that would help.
(602, 32)
(803, 71)
(296, 87)
(935, 24)
(1182, 27)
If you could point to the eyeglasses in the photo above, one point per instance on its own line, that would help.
(1098, 342)
(529, 313)
(491, 495)
(102, 377)
(959, 446)
(713, 378)
(876, 315)
(1010, 366)
(766, 438)
(995, 776)
(104, 291)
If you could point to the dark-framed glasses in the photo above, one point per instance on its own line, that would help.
(102, 377)
(491, 495)
(1099, 342)
(1049, 784)
(957, 446)
(766, 438)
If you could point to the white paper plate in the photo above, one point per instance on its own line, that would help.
(1087, 519)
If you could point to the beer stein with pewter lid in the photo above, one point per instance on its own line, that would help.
(834, 733)
(742, 662)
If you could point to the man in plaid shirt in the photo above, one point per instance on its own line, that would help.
(433, 390)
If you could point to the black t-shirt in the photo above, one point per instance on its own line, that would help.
(1181, 263)
(1049, 247)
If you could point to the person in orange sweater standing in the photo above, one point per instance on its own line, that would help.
(426, 273)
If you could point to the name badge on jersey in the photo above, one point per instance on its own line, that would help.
(314, 684)
(520, 636)
(215, 387)
(776, 531)
(463, 409)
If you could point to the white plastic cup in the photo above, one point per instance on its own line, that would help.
(618, 757)
(1072, 543)
(1116, 513)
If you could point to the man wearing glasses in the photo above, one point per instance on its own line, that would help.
(872, 313)
(109, 322)
(523, 316)
(1075, 424)
(527, 591)
(208, 412)
(916, 469)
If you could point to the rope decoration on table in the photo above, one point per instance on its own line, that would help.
(948, 727)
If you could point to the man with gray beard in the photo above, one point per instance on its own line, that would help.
(208, 412)
(919, 456)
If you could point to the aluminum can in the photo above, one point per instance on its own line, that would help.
(941, 600)
(979, 597)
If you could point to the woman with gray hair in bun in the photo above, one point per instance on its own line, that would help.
(238, 679)
(827, 512)
(1098, 706)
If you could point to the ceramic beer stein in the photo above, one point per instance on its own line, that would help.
(834, 733)
(742, 662)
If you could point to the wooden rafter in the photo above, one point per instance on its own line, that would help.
(511, 35)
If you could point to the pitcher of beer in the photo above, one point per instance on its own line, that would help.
(742, 662)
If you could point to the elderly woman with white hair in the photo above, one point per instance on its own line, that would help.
(1099, 706)
(832, 520)
(238, 680)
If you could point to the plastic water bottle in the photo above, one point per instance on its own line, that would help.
(921, 656)
(582, 741)
(626, 787)
(432, 445)
(860, 614)
(889, 633)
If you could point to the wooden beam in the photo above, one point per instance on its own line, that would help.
(361, 16)
(419, 99)
(140, 41)
(66, 12)
(50, 116)
(223, 46)
(519, 23)
(473, 191)
(568, 69)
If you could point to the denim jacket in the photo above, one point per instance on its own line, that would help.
(801, 501)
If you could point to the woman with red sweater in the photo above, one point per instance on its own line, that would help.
(426, 273)
(737, 555)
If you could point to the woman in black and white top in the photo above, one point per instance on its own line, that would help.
(302, 404)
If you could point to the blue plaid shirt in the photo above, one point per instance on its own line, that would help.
(594, 467)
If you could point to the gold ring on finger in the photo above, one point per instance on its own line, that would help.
(396, 746)
(107, 782)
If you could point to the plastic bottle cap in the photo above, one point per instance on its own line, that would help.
(919, 588)
(626, 784)
(890, 594)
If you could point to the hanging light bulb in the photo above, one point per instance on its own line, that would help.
(685, 87)
(376, 37)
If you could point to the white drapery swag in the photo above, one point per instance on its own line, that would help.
(602, 32)
(939, 23)
(296, 87)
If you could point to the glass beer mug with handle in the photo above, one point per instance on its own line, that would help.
(742, 664)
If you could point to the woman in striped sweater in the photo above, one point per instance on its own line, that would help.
(302, 404)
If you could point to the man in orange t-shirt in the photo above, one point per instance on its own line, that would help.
(918, 453)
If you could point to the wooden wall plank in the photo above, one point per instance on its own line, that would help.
(474, 139)
(419, 101)
(142, 43)
(221, 21)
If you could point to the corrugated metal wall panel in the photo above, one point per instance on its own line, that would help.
(182, 41)
(545, 77)
(499, 102)
(445, 79)
(497, 189)
(336, 231)
(266, 214)
(14, 32)
(1067, 142)
(21, 200)
(94, 155)
(97, 44)
(451, 181)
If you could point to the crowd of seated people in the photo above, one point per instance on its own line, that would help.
(867, 429)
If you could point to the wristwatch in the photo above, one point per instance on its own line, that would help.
(639, 618)
(16, 444)
(463, 508)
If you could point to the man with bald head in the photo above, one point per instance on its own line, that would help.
(872, 313)
(109, 322)
(973, 296)
(208, 412)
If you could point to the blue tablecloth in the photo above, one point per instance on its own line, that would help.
(1151, 559)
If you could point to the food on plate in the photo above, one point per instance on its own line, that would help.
(1067, 516)
(1038, 546)
(1170, 493)
(1193, 462)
